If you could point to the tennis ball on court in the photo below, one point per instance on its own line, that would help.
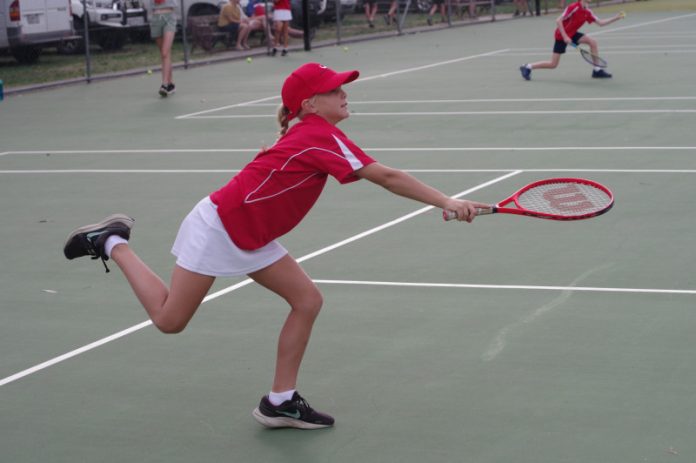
(249, 60)
(345, 48)
(149, 72)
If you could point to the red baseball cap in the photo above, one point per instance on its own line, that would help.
(311, 79)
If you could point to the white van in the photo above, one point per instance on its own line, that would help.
(106, 22)
(27, 26)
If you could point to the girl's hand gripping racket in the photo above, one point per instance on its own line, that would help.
(554, 199)
(594, 60)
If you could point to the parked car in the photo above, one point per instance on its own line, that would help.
(109, 22)
(27, 26)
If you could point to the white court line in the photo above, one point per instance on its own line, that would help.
(649, 23)
(359, 81)
(688, 33)
(454, 148)
(649, 36)
(140, 151)
(511, 100)
(614, 53)
(412, 171)
(478, 113)
(499, 113)
(241, 284)
(228, 107)
(652, 37)
(515, 287)
(662, 47)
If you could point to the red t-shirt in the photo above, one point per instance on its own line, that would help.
(272, 194)
(574, 17)
(281, 4)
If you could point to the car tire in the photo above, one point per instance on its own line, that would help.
(26, 55)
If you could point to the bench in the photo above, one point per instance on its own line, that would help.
(204, 32)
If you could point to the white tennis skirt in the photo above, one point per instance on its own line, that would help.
(203, 246)
(282, 15)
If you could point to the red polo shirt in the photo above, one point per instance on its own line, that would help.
(272, 194)
(574, 17)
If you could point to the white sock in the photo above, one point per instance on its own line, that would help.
(277, 398)
(528, 66)
(111, 242)
(597, 69)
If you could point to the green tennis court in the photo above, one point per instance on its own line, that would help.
(509, 339)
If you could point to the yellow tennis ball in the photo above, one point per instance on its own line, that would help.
(622, 14)
(345, 48)
(249, 60)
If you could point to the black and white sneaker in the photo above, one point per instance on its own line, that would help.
(166, 90)
(293, 413)
(89, 240)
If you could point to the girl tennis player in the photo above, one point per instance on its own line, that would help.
(282, 15)
(569, 23)
(234, 230)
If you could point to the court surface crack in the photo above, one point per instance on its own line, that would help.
(500, 341)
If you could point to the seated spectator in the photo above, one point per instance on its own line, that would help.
(370, 11)
(258, 20)
(438, 5)
(231, 21)
(521, 7)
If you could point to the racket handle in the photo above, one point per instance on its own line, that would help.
(451, 215)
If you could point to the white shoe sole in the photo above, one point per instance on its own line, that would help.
(122, 218)
(284, 422)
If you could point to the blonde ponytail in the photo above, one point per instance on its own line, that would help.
(283, 120)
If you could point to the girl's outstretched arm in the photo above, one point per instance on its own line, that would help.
(406, 185)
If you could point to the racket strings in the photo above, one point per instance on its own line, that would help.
(592, 59)
(564, 199)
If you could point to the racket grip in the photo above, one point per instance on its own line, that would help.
(451, 215)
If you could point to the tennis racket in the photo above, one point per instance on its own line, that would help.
(594, 60)
(554, 199)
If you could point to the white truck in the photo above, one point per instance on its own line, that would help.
(27, 26)
(109, 22)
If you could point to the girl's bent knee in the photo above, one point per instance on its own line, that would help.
(310, 305)
(170, 326)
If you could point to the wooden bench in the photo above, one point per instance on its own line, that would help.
(204, 32)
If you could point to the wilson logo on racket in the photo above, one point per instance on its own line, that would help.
(568, 199)
(554, 199)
